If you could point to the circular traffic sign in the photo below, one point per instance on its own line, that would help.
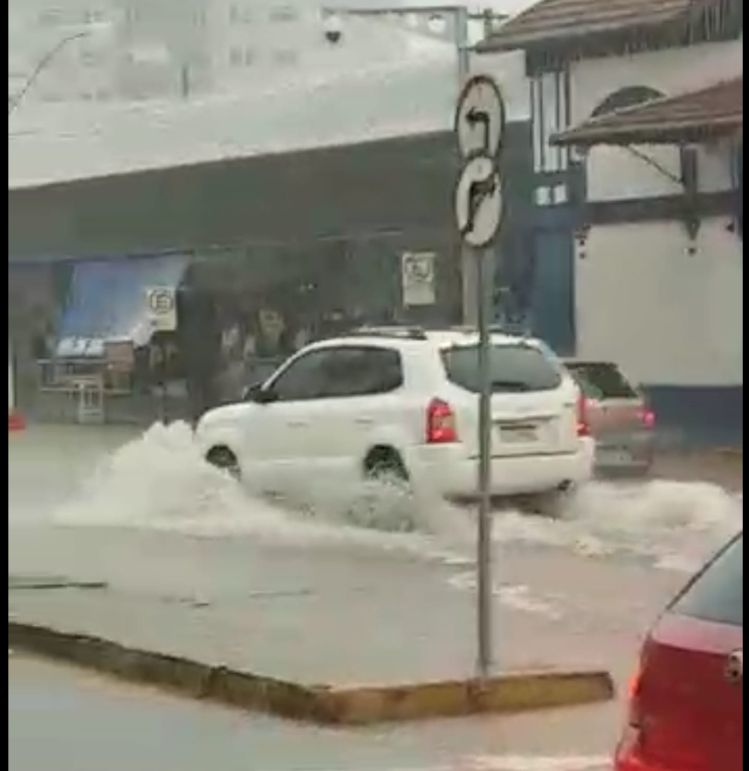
(479, 205)
(480, 117)
(161, 301)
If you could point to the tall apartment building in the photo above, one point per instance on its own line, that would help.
(184, 48)
(82, 66)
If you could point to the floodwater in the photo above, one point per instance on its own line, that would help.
(156, 480)
(74, 721)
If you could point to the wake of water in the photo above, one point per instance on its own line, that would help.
(160, 481)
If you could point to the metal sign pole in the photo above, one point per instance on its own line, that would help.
(479, 125)
(484, 275)
(164, 415)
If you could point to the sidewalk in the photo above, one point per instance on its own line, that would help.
(330, 615)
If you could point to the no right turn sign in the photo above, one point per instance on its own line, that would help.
(162, 308)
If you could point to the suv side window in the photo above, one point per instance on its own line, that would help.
(330, 373)
(361, 371)
(303, 378)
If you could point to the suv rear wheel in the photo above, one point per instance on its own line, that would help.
(549, 504)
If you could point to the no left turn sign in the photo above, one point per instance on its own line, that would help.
(480, 118)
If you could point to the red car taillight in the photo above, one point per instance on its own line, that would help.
(627, 751)
(648, 418)
(440, 423)
(583, 427)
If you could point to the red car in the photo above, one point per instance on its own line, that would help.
(686, 706)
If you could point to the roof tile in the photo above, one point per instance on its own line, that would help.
(692, 116)
(556, 20)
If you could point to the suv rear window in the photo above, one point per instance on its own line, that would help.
(601, 380)
(717, 593)
(513, 368)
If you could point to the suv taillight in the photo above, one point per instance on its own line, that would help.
(440, 423)
(583, 427)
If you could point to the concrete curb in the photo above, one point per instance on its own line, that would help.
(329, 705)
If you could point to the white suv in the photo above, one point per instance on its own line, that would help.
(404, 402)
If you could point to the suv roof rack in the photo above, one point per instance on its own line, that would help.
(494, 329)
(395, 332)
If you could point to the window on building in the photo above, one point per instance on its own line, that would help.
(51, 96)
(286, 57)
(93, 16)
(51, 17)
(284, 13)
(89, 58)
(239, 14)
(626, 97)
(249, 57)
(235, 57)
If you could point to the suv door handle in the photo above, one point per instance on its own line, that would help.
(364, 421)
(297, 424)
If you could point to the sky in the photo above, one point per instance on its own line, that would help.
(360, 100)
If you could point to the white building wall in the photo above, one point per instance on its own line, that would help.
(670, 71)
(615, 172)
(671, 317)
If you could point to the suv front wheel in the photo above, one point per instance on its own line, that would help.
(223, 458)
(385, 465)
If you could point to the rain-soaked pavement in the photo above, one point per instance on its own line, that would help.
(70, 720)
(197, 566)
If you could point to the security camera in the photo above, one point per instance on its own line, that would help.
(333, 28)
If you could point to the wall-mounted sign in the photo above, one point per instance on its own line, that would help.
(162, 308)
(419, 278)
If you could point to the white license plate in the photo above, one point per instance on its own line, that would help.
(614, 457)
(518, 434)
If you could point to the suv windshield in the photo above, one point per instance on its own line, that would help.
(717, 593)
(601, 380)
(513, 368)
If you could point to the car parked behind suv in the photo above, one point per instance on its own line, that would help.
(686, 700)
(404, 403)
(620, 419)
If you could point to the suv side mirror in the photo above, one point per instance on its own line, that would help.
(256, 393)
(262, 395)
(251, 391)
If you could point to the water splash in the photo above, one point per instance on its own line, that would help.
(676, 525)
(160, 481)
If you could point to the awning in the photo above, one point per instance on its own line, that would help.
(713, 112)
(107, 302)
